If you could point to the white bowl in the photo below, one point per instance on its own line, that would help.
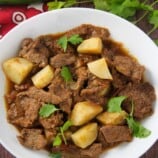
(138, 43)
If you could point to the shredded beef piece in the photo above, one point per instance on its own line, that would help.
(113, 134)
(60, 60)
(36, 52)
(53, 121)
(128, 67)
(142, 95)
(32, 138)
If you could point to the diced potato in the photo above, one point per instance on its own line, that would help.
(84, 112)
(112, 118)
(92, 45)
(100, 69)
(17, 69)
(86, 135)
(43, 77)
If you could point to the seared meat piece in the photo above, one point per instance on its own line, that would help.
(114, 134)
(71, 151)
(36, 52)
(96, 91)
(142, 95)
(32, 138)
(60, 60)
(24, 112)
(58, 88)
(92, 152)
(10, 98)
(43, 96)
(128, 67)
(88, 31)
(22, 87)
(119, 80)
(55, 120)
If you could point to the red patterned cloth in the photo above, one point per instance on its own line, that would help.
(10, 16)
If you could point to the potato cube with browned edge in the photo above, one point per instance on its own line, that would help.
(84, 112)
(112, 118)
(100, 69)
(86, 135)
(43, 77)
(17, 69)
(92, 45)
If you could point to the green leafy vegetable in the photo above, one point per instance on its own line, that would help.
(101, 5)
(66, 74)
(47, 109)
(63, 42)
(57, 141)
(74, 39)
(114, 104)
(66, 125)
(55, 5)
(55, 155)
(153, 19)
(137, 129)
(156, 41)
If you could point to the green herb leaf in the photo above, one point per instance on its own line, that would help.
(75, 39)
(137, 129)
(69, 3)
(66, 125)
(63, 41)
(55, 5)
(101, 4)
(57, 141)
(55, 155)
(47, 109)
(66, 74)
(114, 104)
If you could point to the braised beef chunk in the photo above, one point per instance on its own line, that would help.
(60, 60)
(142, 95)
(88, 31)
(24, 112)
(71, 151)
(128, 67)
(113, 134)
(51, 122)
(35, 52)
(32, 138)
(59, 113)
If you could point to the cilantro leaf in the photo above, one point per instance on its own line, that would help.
(55, 5)
(114, 104)
(153, 19)
(63, 41)
(101, 4)
(47, 109)
(75, 39)
(57, 141)
(55, 155)
(137, 129)
(66, 74)
(66, 125)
